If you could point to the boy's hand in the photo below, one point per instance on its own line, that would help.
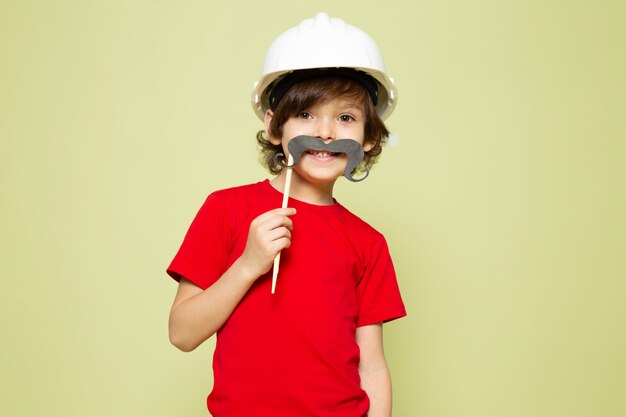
(269, 234)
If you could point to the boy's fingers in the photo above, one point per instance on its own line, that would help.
(287, 211)
(282, 243)
(279, 233)
(273, 219)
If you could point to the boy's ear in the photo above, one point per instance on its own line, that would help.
(268, 120)
(367, 146)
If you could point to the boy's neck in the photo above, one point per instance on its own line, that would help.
(318, 194)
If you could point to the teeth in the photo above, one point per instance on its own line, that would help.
(321, 154)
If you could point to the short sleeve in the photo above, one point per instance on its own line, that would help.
(378, 292)
(203, 255)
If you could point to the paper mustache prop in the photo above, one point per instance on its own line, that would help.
(353, 149)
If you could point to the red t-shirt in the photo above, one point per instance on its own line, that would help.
(293, 353)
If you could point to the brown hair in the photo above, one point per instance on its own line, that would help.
(319, 90)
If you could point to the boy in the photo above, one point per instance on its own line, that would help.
(315, 347)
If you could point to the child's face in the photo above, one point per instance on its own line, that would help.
(338, 118)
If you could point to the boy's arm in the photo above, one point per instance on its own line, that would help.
(197, 314)
(375, 378)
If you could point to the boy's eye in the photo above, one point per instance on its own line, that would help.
(346, 118)
(304, 115)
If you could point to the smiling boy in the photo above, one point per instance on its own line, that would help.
(315, 347)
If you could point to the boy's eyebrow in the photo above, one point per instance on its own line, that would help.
(352, 106)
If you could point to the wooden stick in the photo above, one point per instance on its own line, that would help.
(284, 205)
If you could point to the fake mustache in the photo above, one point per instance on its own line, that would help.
(353, 149)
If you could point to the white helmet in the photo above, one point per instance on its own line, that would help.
(324, 43)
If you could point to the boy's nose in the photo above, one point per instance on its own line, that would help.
(325, 130)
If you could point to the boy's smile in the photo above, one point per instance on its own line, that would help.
(321, 154)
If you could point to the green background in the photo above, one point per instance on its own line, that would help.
(504, 202)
